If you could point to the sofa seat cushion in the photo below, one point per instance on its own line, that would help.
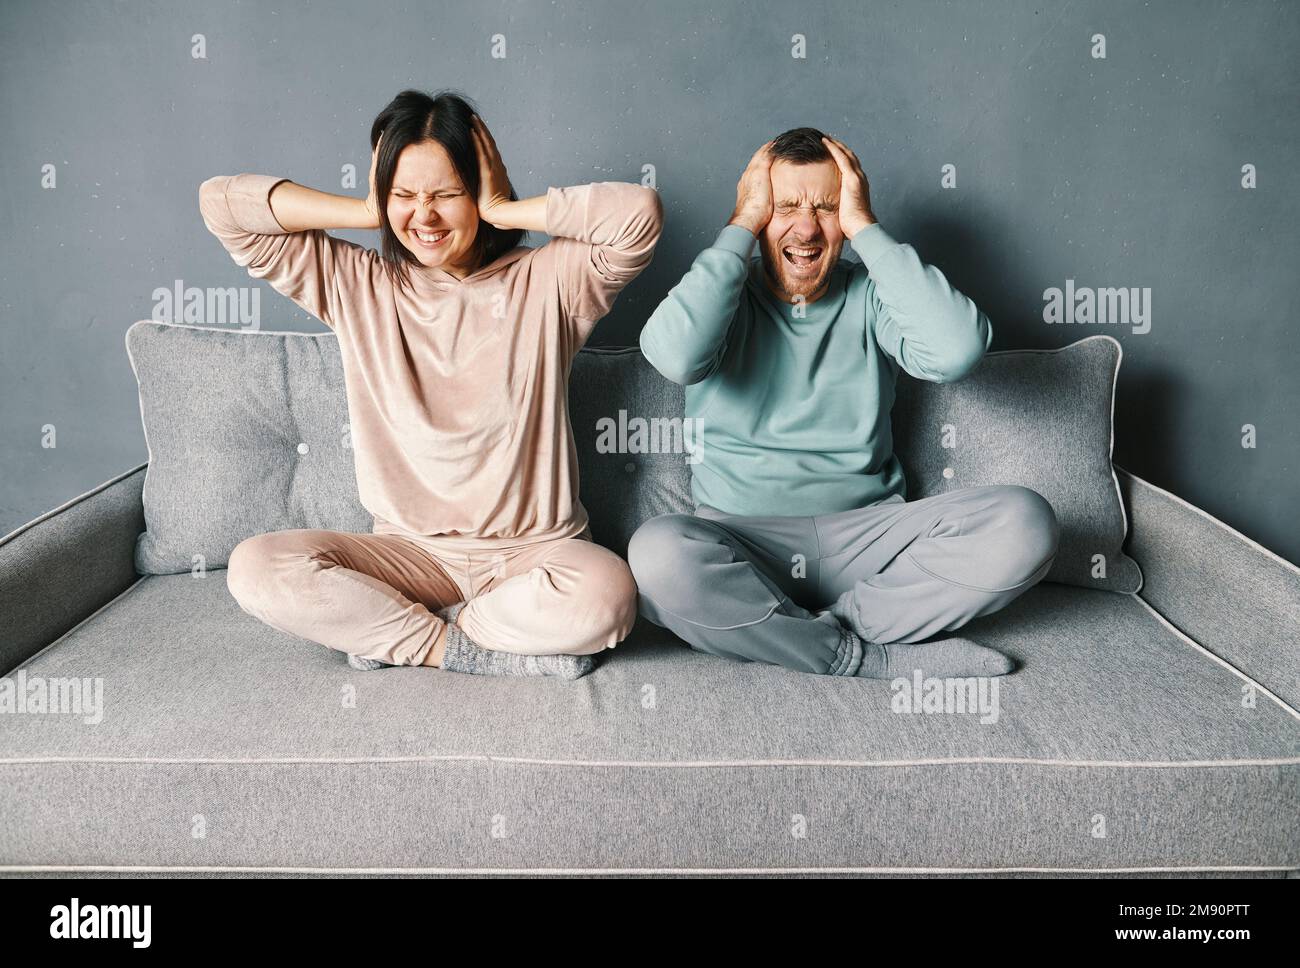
(226, 744)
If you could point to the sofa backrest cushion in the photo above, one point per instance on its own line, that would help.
(1040, 418)
(248, 432)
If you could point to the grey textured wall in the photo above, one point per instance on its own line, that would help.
(1122, 171)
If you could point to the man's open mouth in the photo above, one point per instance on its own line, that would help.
(802, 257)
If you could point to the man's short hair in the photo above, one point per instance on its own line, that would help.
(801, 146)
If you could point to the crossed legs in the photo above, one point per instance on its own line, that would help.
(376, 595)
(782, 590)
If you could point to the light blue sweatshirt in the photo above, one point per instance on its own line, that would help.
(792, 415)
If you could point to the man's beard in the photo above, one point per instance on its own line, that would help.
(780, 277)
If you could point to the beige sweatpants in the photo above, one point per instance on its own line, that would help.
(374, 595)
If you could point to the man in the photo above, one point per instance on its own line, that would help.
(803, 551)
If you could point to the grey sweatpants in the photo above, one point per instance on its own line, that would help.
(899, 571)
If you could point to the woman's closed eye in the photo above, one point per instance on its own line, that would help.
(439, 196)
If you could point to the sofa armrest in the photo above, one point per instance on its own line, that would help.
(1234, 597)
(68, 563)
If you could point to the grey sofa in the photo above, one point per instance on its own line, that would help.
(1147, 734)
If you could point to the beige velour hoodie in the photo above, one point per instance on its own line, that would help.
(457, 389)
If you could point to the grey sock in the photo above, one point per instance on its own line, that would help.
(368, 665)
(463, 654)
(953, 657)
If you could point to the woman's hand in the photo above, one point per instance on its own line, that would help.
(493, 182)
(372, 203)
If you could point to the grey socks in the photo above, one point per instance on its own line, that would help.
(463, 654)
(367, 665)
(953, 657)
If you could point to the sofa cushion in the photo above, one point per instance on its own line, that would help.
(247, 433)
(629, 474)
(1117, 745)
(1040, 418)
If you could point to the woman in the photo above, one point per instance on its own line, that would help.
(456, 344)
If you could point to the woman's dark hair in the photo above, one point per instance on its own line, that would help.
(414, 117)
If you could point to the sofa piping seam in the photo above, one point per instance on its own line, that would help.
(656, 764)
(1249, 542)
(69, 504)
(32, 658)
(32, 868)
(1217, 658)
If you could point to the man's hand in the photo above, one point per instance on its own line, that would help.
(855, 190)
(493, 182)
(754, 192)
